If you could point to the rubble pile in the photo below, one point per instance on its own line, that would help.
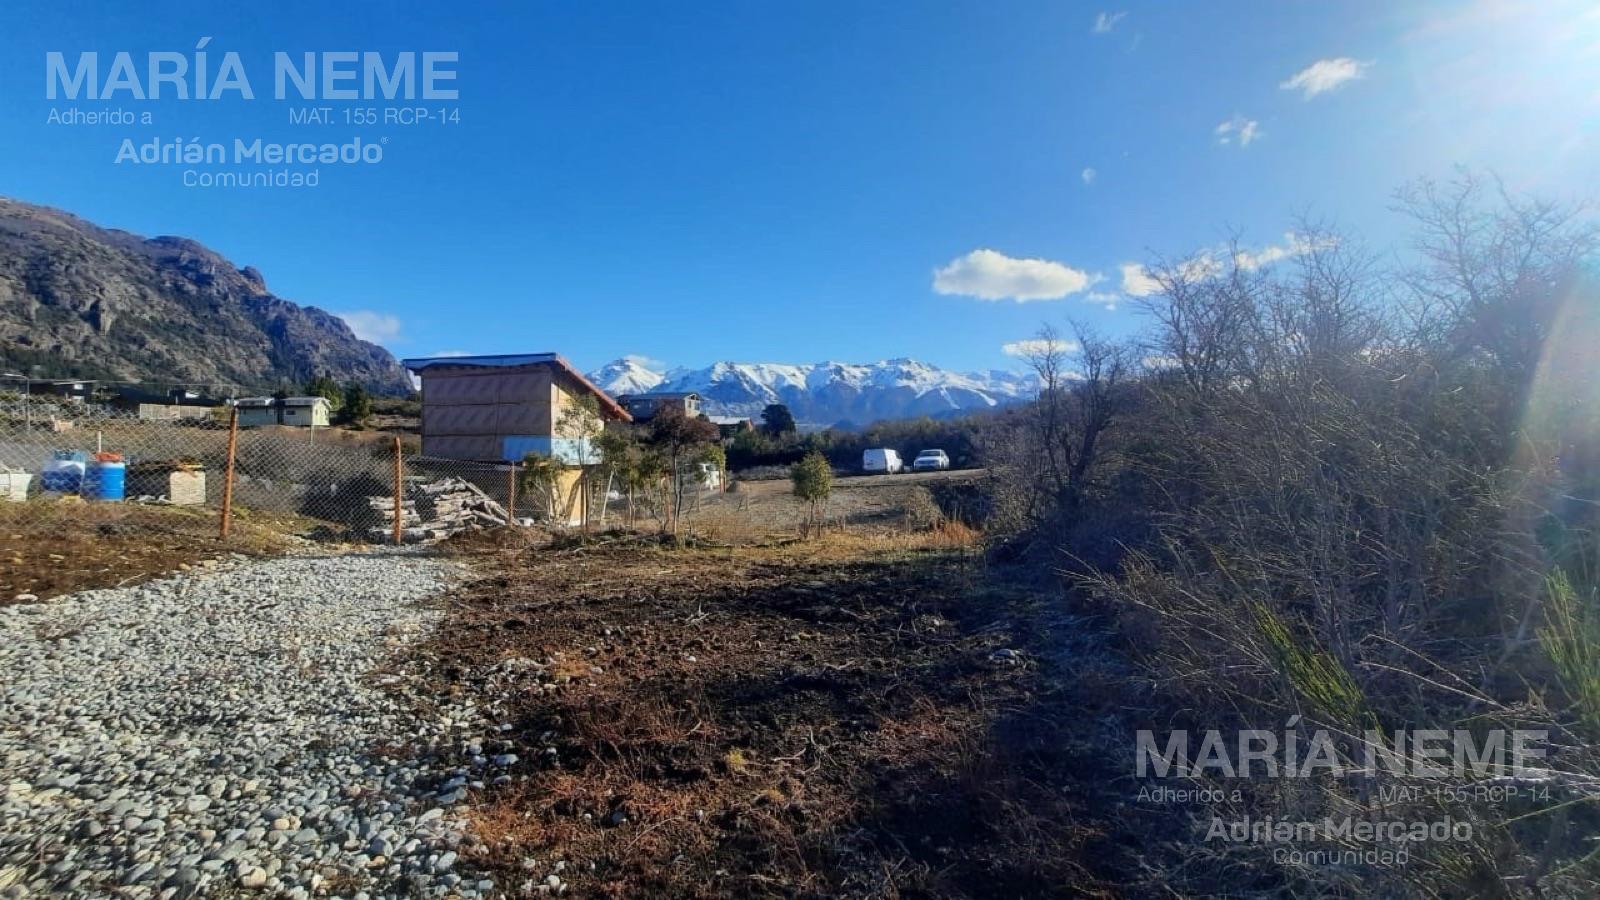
(437, 509)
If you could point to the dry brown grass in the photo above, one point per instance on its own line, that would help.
(49, 548)
(765, 510)
(955, 533)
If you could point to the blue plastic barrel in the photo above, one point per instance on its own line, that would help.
(64, 473)
(105, 480)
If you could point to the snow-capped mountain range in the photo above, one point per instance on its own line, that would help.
(827, 393)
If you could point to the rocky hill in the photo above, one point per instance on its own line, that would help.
(827, 393)
(77, 299)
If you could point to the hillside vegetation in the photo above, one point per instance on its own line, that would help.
(1342, 496)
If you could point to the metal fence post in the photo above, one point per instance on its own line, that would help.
(399, 484)
(227, 477)
(511, 495)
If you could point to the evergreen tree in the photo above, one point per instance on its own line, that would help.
(357, 404)
(777, 419)
(326, 387)
(812, 478)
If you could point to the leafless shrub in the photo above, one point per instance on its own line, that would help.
(1351, 513)
(1048, 461)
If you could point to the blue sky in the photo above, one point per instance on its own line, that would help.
(808, 181)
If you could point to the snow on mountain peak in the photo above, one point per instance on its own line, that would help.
(825, 393)
(627, 375)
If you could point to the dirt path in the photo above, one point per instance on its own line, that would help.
(859, 716)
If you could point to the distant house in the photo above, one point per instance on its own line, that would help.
(177, 403)
(172, 412)
(77, 389)
(502, 408)
(304, 412)
(644, 407)
(731, 426)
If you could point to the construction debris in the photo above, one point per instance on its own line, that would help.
(437, 509)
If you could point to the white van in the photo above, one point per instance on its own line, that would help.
(881, 459)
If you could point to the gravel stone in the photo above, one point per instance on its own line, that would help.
(213, 731)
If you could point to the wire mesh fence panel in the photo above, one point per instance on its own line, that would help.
(52, 457)
(321, 482)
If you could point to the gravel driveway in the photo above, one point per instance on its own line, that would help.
(224, 732)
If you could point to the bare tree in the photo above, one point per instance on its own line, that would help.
(581, 424)
(1081, 390)
(1047, 356)
(1495, 276)
(1096, 398)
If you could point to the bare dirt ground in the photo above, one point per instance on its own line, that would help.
(46, 552)
(765, 510)
(872, 713)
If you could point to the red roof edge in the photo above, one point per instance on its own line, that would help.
(606, 402)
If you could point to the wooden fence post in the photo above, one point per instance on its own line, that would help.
(511, 495)
(399, 494)
(227, 475)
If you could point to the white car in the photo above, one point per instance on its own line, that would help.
(930, 460)
(881, 459)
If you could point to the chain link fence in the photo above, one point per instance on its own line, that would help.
(323, 482)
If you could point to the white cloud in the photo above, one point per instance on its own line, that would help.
(990, 275)
(1033, 346)
(1136, 282)
(1107, 299)
(372, 326)
(1244, 131)
(448, 353)
(1293, 245)
(1106, 21)
(1325, 75)
(1089, 175)
(647, 362)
